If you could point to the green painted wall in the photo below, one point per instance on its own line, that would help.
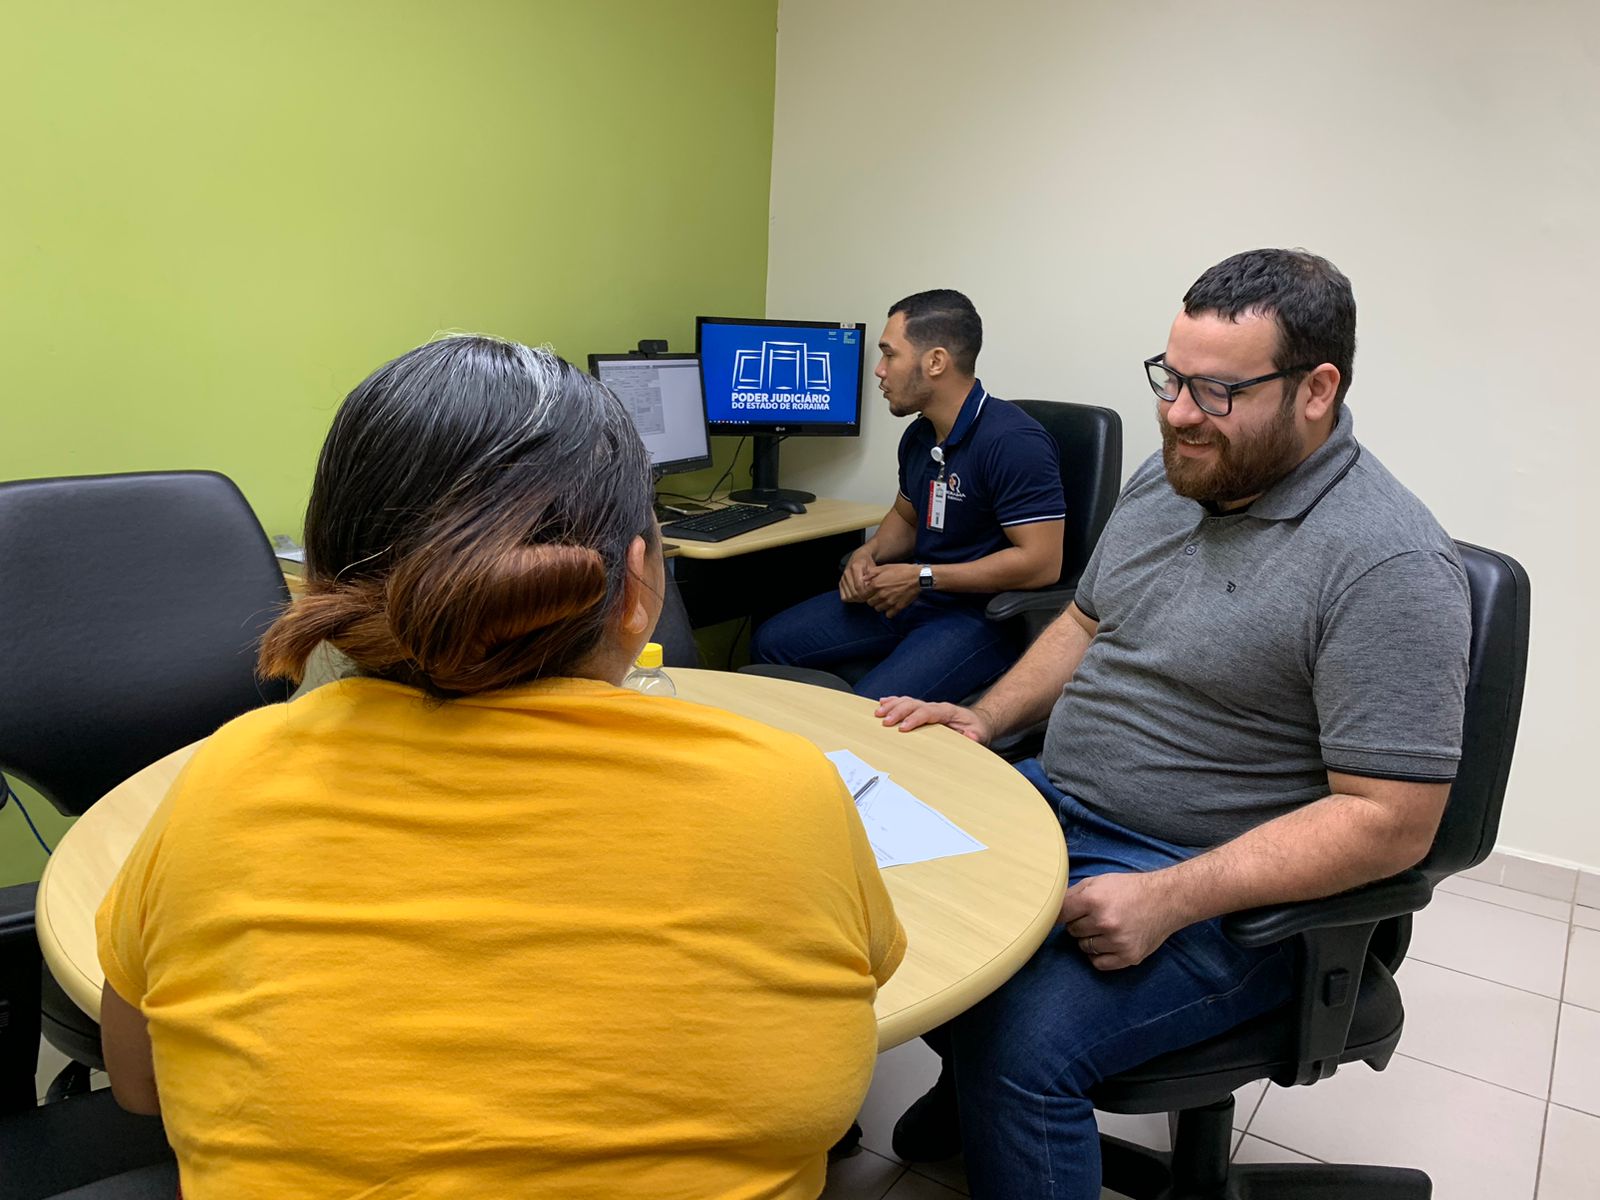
(216, 218)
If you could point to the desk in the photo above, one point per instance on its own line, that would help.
(822, 518)
(763, 572)
(971, 920)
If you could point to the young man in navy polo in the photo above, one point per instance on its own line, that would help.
(980, 511)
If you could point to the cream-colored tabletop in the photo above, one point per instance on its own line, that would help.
(971, 920)
(823, 518)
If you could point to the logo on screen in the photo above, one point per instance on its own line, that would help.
(790, 370)
(780, 367)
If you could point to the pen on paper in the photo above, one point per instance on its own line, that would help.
(864, 789)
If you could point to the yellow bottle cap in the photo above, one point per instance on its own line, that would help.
(650, 657)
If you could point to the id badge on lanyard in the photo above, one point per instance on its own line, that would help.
(937, 492)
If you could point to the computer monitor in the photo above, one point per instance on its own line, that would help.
(662, 394)
(778, 379)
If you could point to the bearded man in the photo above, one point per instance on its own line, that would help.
(1255, 698)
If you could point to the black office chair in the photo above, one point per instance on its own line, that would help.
(131, 610)
(1089, 441)
(84, 1142)
(1346, 1007)
(1089, 449)
(678, 647)
(19, 998)
(132, 607)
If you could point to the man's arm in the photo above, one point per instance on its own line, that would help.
(894, 541)
(1021, 697)
(125, 1043)
(1367, 829)
(1032, 560)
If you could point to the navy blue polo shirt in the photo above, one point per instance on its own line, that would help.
(1000, 469)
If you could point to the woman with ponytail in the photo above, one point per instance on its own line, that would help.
(475, 921)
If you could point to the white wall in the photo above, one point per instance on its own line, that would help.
(1074, 166)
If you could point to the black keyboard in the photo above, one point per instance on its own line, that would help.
(720, 524)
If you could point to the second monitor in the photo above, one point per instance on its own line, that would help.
(777, 379)
(662, 395)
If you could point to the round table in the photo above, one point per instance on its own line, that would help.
(971, 920)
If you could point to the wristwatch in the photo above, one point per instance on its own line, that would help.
(925, 578)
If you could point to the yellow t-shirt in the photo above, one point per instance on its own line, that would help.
(562, 940)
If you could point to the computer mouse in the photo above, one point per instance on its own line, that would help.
(786, 505)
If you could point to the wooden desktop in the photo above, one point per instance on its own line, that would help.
(970, 920)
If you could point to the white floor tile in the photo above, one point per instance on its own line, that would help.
(1487, 1030)
(1583, 969)
(902, 1075)
(1142, 1129)
(1489, 870)
(1510, 947)
(867, 1176)
(918, 1187)
(1245, 1102)
(952, 1173)
(1477, 1141)
(1586, 918)
(1589, 888)
(51, 1061)
(1255, 1150)
(1540, 878)
(1543, 906)
(1577, 1078)
(1570, 1168)
(1153, 1130)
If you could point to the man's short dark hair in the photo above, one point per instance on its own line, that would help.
(1309, 297)
(943, 317)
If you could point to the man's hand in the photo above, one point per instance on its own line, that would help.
(1121, 919)
(892, 588)
(853, 583)
(910, 713)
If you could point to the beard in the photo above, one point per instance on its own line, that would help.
(1239, 470)
(913, 397)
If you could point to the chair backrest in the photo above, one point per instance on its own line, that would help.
(1497, 667)
(1089, 443)
(130, 610)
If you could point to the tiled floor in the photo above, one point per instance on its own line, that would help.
(1495, 1091)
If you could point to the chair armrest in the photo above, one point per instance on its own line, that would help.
(1332, 951)
(1406, 892)
(1005, 605)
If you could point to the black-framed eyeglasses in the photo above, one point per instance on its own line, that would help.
(1214, 396)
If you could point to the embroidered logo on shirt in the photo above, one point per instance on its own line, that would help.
(953, 484)
(1230, 585)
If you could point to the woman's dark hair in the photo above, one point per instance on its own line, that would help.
(1308, 296)
(470, 521)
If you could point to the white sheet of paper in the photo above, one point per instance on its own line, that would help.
(853, 770)
(901, 828)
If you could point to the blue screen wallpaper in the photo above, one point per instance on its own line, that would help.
(781, 374)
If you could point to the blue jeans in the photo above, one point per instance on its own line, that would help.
(1026, 1058)
(932, 651)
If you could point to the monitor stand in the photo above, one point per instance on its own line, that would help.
(764, 487)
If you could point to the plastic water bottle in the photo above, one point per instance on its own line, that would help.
(647, 675)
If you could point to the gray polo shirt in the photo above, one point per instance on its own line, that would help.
(1241, 657)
